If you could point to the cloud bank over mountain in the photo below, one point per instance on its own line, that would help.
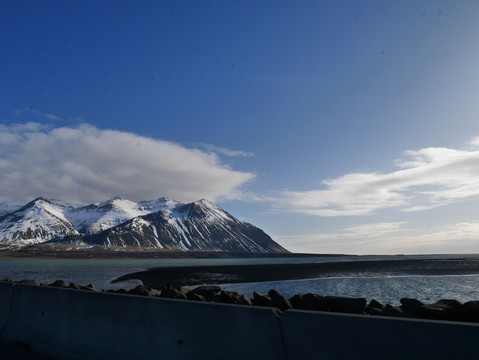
(82, 164)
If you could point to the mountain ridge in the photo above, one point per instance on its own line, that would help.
(120, 223)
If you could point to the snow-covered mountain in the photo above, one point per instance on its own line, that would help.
(161, 224)
(101, 216)
(38, 221)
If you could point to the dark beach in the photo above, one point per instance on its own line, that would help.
(197, 275)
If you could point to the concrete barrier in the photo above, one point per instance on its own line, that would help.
(314, 335)
(71, 324)
(6, 291)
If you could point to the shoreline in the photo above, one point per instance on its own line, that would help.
(150, 254)
(135, 253)
(223, 274)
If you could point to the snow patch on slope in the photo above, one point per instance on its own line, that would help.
(101, 216)
(161, 223)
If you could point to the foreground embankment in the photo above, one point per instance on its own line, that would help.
(444, 309)
(82, 322)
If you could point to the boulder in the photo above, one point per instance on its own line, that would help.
(27, 282)
(245, 300)
(437, 311)
(142, 290)
(374, 304)
(296, 301)
(171, 292)
(119, 291)
(278, 301)
(208, 292)
(89, 287)
(346, 304)
(260, 299)
(195, 297)
(311, 301)
(393, 311)
(165, 290)
(74, 286)
(469, 312)
(58, 283)
(411, 305)
(375, 308)
(227, 297)
(452, 303)
(397, 311)
(7, 279)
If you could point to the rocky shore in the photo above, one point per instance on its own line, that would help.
(445, 309)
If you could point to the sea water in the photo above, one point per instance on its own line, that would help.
(382, 287)
(100, 272)
(385, 289)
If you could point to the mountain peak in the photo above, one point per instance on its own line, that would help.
(205, 208)
(40, 199)
(38, 221)
(118, 222)
(114, 201)
(204, 201)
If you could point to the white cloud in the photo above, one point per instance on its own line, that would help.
(388, 238)
(425, 179)
(35, 113)
(360, 239)
(85, 164)
(52, 117)
(225, 151)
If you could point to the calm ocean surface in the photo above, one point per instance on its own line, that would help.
(382, 287)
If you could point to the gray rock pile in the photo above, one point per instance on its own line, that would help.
(451, 310)
(445, 309)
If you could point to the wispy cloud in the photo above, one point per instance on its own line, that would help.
(52, 117)
(224, 151)
(388, 238)
(85, 164)
(425, 179)
(35, 114)
(360, 239)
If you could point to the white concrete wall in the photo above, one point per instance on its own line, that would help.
(72, 324)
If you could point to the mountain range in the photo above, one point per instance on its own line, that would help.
(123, 224)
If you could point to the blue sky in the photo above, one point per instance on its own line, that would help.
(336, 126)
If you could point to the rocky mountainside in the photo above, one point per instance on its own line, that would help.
(160, 224)
(38, 221)
(101, 216)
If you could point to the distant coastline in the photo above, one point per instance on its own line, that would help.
(197, 275)
(97, 253)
